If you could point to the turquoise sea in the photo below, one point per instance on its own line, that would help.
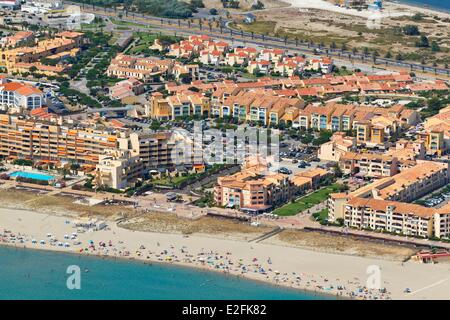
(34, 274)
(440, 5)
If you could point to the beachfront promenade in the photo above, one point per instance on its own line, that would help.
(157, 202)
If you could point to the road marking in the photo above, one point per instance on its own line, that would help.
(430, 286)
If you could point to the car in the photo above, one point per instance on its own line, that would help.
(295, 161)
(301, 166)
(284, 170)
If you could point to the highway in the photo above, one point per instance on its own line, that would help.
(227, 33)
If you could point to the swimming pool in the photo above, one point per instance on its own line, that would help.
(32, 175)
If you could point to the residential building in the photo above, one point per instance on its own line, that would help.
(23, 59)
(368, 165)
(252, 190)
(391, 216)
(18, 39)
(52, 141)
(20, 96)
(163, 151)
(118, 169)
(126, 88)
(338, 145)
(126, 66)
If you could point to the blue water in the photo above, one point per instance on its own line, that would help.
(32, 175)
(442, 5)
(33, 274)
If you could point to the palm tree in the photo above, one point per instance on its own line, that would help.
(375, 54)
(366, 51)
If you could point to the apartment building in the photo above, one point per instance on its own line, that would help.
(32, 139)
(370, 165)
(310, 179)
(18, 39)
(436, 133)
(417, 181)
(24, 58)
(338, 145)
(373, 125)
(118, 169)
(256, 105)
(179, 105)
(252, 191)
(397, 217)
(126, 66)
(391, 216)
(409, 185)
(163, 151)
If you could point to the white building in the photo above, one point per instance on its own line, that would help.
(20, 95)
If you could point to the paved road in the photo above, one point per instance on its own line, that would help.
(357, 60)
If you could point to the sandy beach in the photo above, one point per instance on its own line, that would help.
(335, 274)
(391, 9)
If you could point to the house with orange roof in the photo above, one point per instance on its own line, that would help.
(236, 59)
(338, 145)
(20, 96)
(127, 66)
(32, 56)
(272, 55)
(211, 57)
(253, 190)
(259, 67)
(18, 39)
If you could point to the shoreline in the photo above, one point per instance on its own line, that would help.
(279, 265)
(415, 5)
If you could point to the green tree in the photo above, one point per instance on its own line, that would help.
(423, 42)
(435, 47)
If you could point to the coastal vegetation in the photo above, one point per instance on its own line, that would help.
(403, 38)
(167, 8)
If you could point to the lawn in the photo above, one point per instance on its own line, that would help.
(175, 181)
(308, 201)
(258, 27)
(321, 216)
(127, 23)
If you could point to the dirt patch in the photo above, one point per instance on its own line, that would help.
(170, 223)
(342, 245)
(58, 205)
(331, 28)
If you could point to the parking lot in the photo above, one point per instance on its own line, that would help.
(294, 167)
(437, 199)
